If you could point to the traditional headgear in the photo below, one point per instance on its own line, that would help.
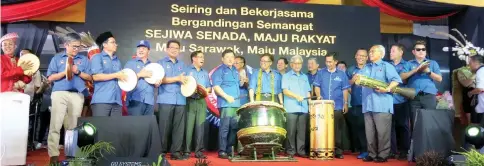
(103, 37)
(11, 35)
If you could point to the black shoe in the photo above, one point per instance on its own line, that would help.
(380, 160)
(391, 156)
(339, 156)
(303, 155)
(177, 156)
(223, 155)
(200, 155)
(402, 157)
(54, 160)
(186, 156)
(368, 159)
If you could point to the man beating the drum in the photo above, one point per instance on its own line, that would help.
(140, 100)
(332, 84)
(67, 95)
(11, 73)
(266, 82)
(106, 70)
(197, 107)
(378, 105)
(295, 86)
(226, 83)
(171, 109)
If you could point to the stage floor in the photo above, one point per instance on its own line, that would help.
(41, 158)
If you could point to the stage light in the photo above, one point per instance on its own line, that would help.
(475, 135)
(86, 132)
(79, 137)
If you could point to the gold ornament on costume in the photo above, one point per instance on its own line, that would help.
(258, 94)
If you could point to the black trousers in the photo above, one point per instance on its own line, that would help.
(400, 128)
(421, 101)
(356, 122)
(172, 126)
(103, 109)
(296, 133)
(228, 129)
(340, 132)
(195, 124)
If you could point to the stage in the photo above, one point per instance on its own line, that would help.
(40, 157)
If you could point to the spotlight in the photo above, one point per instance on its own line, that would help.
(79, 137)
(86, 132)
(475, 135)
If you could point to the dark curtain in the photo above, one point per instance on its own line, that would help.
(402, 7)
(423, 8)
(31, 35)
(471, 23)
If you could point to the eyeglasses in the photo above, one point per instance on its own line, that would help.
(265, 61)
(297, 63)
(420, 49)
(75, 47)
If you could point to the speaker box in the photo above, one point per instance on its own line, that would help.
(432, 131)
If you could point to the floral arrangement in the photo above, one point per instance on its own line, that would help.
(462, 49)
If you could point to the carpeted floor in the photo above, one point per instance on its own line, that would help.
(40, 158)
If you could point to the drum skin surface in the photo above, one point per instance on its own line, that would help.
(321, 117)
(262, 126)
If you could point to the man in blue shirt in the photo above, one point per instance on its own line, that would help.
(106, 71)
(226, 84)
(244, 76)
(67, 95)
(265, 83)
(171, 108)
(296, 88)
(197, 107)
(401, 117)
(355, 116)
(332, 84)
(313, 68)
(140, 101)
(378, 105)
(421, 73)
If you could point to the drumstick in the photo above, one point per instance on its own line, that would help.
(312, 98)
(240, 97)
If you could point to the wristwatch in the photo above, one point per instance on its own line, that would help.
(78, 72)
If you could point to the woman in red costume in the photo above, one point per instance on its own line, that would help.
(13, 77)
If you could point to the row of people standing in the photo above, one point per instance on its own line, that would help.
(265, 84)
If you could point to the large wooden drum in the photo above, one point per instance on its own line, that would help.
(261, 125)
(321, 115)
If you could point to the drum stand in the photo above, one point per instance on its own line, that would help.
(267, 150)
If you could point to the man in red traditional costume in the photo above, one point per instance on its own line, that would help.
(13, 77)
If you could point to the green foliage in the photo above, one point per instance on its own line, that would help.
(160, 158)
(89, 154)
(473, 157)
(95, 151)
